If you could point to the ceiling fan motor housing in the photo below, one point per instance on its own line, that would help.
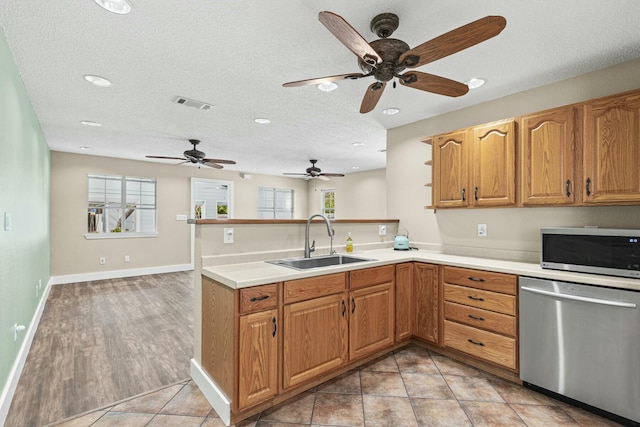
(390, 51)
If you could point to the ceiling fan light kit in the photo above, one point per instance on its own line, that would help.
(120, 7)
(386, 58)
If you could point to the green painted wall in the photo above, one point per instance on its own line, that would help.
(24, 193)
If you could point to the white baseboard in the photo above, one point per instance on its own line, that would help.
(211, 392)
(14, 375)
(117, 274)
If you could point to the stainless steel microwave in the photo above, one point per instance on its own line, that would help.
(613, 252)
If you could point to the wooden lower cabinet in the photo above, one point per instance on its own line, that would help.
(371, 323)
(427, 301)
(480, 309)
(258, 354)
(315, 338)
(404, 301)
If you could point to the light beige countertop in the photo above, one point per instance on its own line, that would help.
(243, 275)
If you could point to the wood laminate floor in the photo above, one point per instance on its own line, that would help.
(104, 341)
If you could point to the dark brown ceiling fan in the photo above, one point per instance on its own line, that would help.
(315, 172)
(386, 58)
(196, 156)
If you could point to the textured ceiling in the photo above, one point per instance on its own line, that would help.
(236, 55)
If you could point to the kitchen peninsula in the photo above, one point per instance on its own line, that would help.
(270, 332)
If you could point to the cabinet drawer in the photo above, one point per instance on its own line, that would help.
(372, 276)
(314, 287)
(501, 303)
(483, 319)
(485, 345)
(489, 281)
(258, 298)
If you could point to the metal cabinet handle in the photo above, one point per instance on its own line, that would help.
(353, 304)
(275, 327)
(475, 342)
(475, 298)
(568, 188)
(260, 298)
(588, 186)
(476, 317)
(463, 195)
(475, 193)
(344, 308)
(476, 279)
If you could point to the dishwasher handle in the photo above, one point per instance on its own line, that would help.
(579, 298)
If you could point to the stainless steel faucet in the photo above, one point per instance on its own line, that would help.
(308, 249)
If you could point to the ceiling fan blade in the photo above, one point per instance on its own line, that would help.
(224, 162)
(322, 177)
(349, 37)
(351, 76)
(332, 174)
(453, 41)
(164, 157)
(297, 174)
(371, 97)
(211, 165)
(433, 83)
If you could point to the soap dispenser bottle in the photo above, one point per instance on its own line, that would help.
(349, 243)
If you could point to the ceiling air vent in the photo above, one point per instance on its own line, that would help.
(192, 103)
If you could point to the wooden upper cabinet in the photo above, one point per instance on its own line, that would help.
(450, 170)
(612, 150)
(547, 158)
(493, 164)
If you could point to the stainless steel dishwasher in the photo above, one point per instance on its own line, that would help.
(582, 342)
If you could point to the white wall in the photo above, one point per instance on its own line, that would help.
(512, 232)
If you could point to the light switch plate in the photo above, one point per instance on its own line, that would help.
(382, 230)
(8, 223)
(181, 217)
(228, 235)
(482, 230)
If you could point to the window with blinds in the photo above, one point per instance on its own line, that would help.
(119, 205)
(275, 203)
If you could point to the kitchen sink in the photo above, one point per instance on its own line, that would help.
(315, 262)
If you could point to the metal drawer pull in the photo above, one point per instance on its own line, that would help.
(262, 298)
(588, 187)
(463, 196)
(568, 188)
(475, 298)
(613, 303)
(275, 328)
(353, 303)
(344, 308)
(475, 342)
(476, 318)
(476, 279)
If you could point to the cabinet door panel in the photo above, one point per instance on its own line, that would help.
(547, 158)
(258, 353)
(315, 338)
(372, 320)
(494, 167)
(426, 307)
(612, 150)
(450, 170)
(404, 301)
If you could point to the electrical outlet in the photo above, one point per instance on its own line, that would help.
(482, 230)
(126, 258)
(382, 230)
(228, 235)
(103, 260)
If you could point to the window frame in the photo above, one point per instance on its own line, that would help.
(273, 209)
(323, 209)
(122, 206)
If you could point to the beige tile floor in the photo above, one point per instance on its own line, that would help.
(410, 387)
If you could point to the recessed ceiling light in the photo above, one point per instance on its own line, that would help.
(262, 121)
(383, 150)
(84, 147)
(475, 83)
(97, 80)
(327, 86)
(355, 167)
(90, 123)
(121, 7)
(390, 111)
(358, 144)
